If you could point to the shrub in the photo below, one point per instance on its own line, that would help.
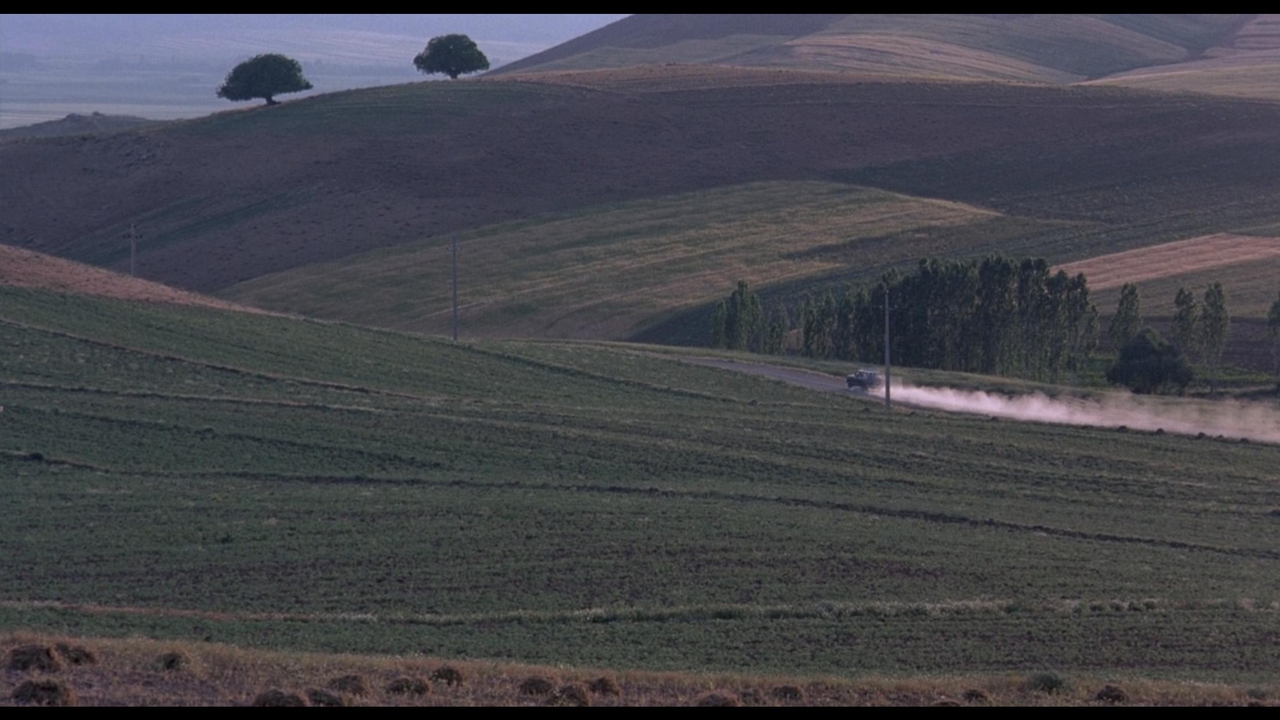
(536, 685)
(604, 686)
(350, 684)
(572, 695)
(719, 699)
(448, 675)
(34, 657)
(279, 698)
(325, 698)
(1047, 682)
(44, 692)
(409, 686)
(1149, 364)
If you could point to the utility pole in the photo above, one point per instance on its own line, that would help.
(888, 405)
(133, 249)
(455, 287)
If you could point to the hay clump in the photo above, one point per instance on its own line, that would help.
(50, 693)
(537, 685)
(572, 695)
(448, 675)
(77, 654)
(718, 699)
(1111, 694)
(409, 686)
(788, 693)
(279, 698)
(604, 686)
(975, 696)
(1048, 683)
(350, 684)
(326, 698)
(174, 661)
(43, 658)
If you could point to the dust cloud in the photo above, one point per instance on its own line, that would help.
(1232, 419)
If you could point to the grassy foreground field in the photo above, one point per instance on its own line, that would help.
(196, 474)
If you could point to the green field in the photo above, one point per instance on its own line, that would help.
(189, 473)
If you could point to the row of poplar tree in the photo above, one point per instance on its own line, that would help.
(993, 316)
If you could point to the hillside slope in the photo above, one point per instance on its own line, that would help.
(27, 269)
(247, 193)
(1246, 65)
(188, 473)
(1034, 48)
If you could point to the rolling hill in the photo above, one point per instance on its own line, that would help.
(1027, 48)
(1247, 64)
(189, 473)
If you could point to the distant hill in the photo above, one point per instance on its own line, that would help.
(75, 124)
(1029, 48)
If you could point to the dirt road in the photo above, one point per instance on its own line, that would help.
(792, 376)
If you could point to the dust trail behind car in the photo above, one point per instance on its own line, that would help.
(1228, 418)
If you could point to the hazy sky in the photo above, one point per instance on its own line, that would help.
(168, 66)
(350, 38)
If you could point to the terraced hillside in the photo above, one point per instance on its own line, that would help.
(190, 473)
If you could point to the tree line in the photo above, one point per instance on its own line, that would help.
(996, 316)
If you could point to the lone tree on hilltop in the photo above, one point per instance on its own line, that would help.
(1150, 364)
(452, 55)
(264, 76)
